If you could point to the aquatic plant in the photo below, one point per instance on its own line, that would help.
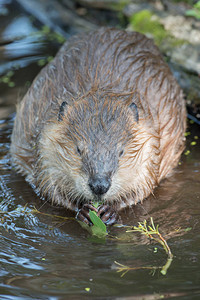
(7, 79)
(50, 35)
(152, 232)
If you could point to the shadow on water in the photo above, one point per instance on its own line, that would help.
(44, 257)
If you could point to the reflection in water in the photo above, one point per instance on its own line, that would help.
(24, 28)
(43, 257)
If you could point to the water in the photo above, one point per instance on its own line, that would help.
(46, 257)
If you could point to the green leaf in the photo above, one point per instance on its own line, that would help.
(97, 222)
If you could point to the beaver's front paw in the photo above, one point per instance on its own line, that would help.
(107, 214)
(83, 213)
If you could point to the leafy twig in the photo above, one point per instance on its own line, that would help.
(152, 232)
(125, 269)
(34, 210)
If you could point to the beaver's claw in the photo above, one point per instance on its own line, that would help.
(83, 213)
(107, 214)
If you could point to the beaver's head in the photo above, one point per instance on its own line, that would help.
(93, 151)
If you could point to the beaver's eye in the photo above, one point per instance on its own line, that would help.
(121, 153)
(78, 150)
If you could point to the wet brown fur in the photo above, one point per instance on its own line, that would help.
(99, 75)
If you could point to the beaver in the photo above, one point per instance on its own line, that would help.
(102, 123)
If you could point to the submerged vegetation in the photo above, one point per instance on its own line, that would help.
(7, 79)
(99, 230)
(152, 232)
(50, 35)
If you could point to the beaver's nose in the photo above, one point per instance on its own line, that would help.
(99, 185)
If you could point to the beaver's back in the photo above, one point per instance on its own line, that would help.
(108, 62)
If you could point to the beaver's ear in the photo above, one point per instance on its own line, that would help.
(134, 109)
(62, 111)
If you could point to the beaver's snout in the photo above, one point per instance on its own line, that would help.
(99, 185)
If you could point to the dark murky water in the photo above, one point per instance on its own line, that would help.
(45, 257)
